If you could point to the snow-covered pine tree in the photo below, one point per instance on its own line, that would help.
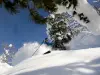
(73, 25)
(61, 28)
(9, 52)
(57, 30)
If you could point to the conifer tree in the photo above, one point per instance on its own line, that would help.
(50, 6)
(57, 31)
(8, 54)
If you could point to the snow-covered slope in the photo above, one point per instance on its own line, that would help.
(82, 41)
(85, 40)
(27, 50)
(78, 62)
(89, 11)
(4, 67)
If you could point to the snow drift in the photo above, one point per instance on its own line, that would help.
(78, 62)
(27, 50)
(85, 40)
(4, 67)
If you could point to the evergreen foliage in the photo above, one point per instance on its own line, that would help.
(58, 30)
(58, 27)
(8, 54)
(50, 6)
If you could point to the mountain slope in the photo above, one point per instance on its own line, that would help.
(78, 62)
(27, 50)
(85, 40)
(4, 67)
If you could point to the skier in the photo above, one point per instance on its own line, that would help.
(46, 41)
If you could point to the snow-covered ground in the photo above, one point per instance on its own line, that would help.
(28, 50)
(85, 40)
(73, 62)
(4, 67)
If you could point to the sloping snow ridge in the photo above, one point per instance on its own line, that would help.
(28, 50)
(89, 11)
(4, 67)
(78, 62)
(85, 40)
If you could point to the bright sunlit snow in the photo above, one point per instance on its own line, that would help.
(28, 50)
(4, 67)
(78, 62)
(85, 40)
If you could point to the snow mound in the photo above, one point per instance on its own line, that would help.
(28, 50)
(78, 62)
(85, 40)
(4, 67)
